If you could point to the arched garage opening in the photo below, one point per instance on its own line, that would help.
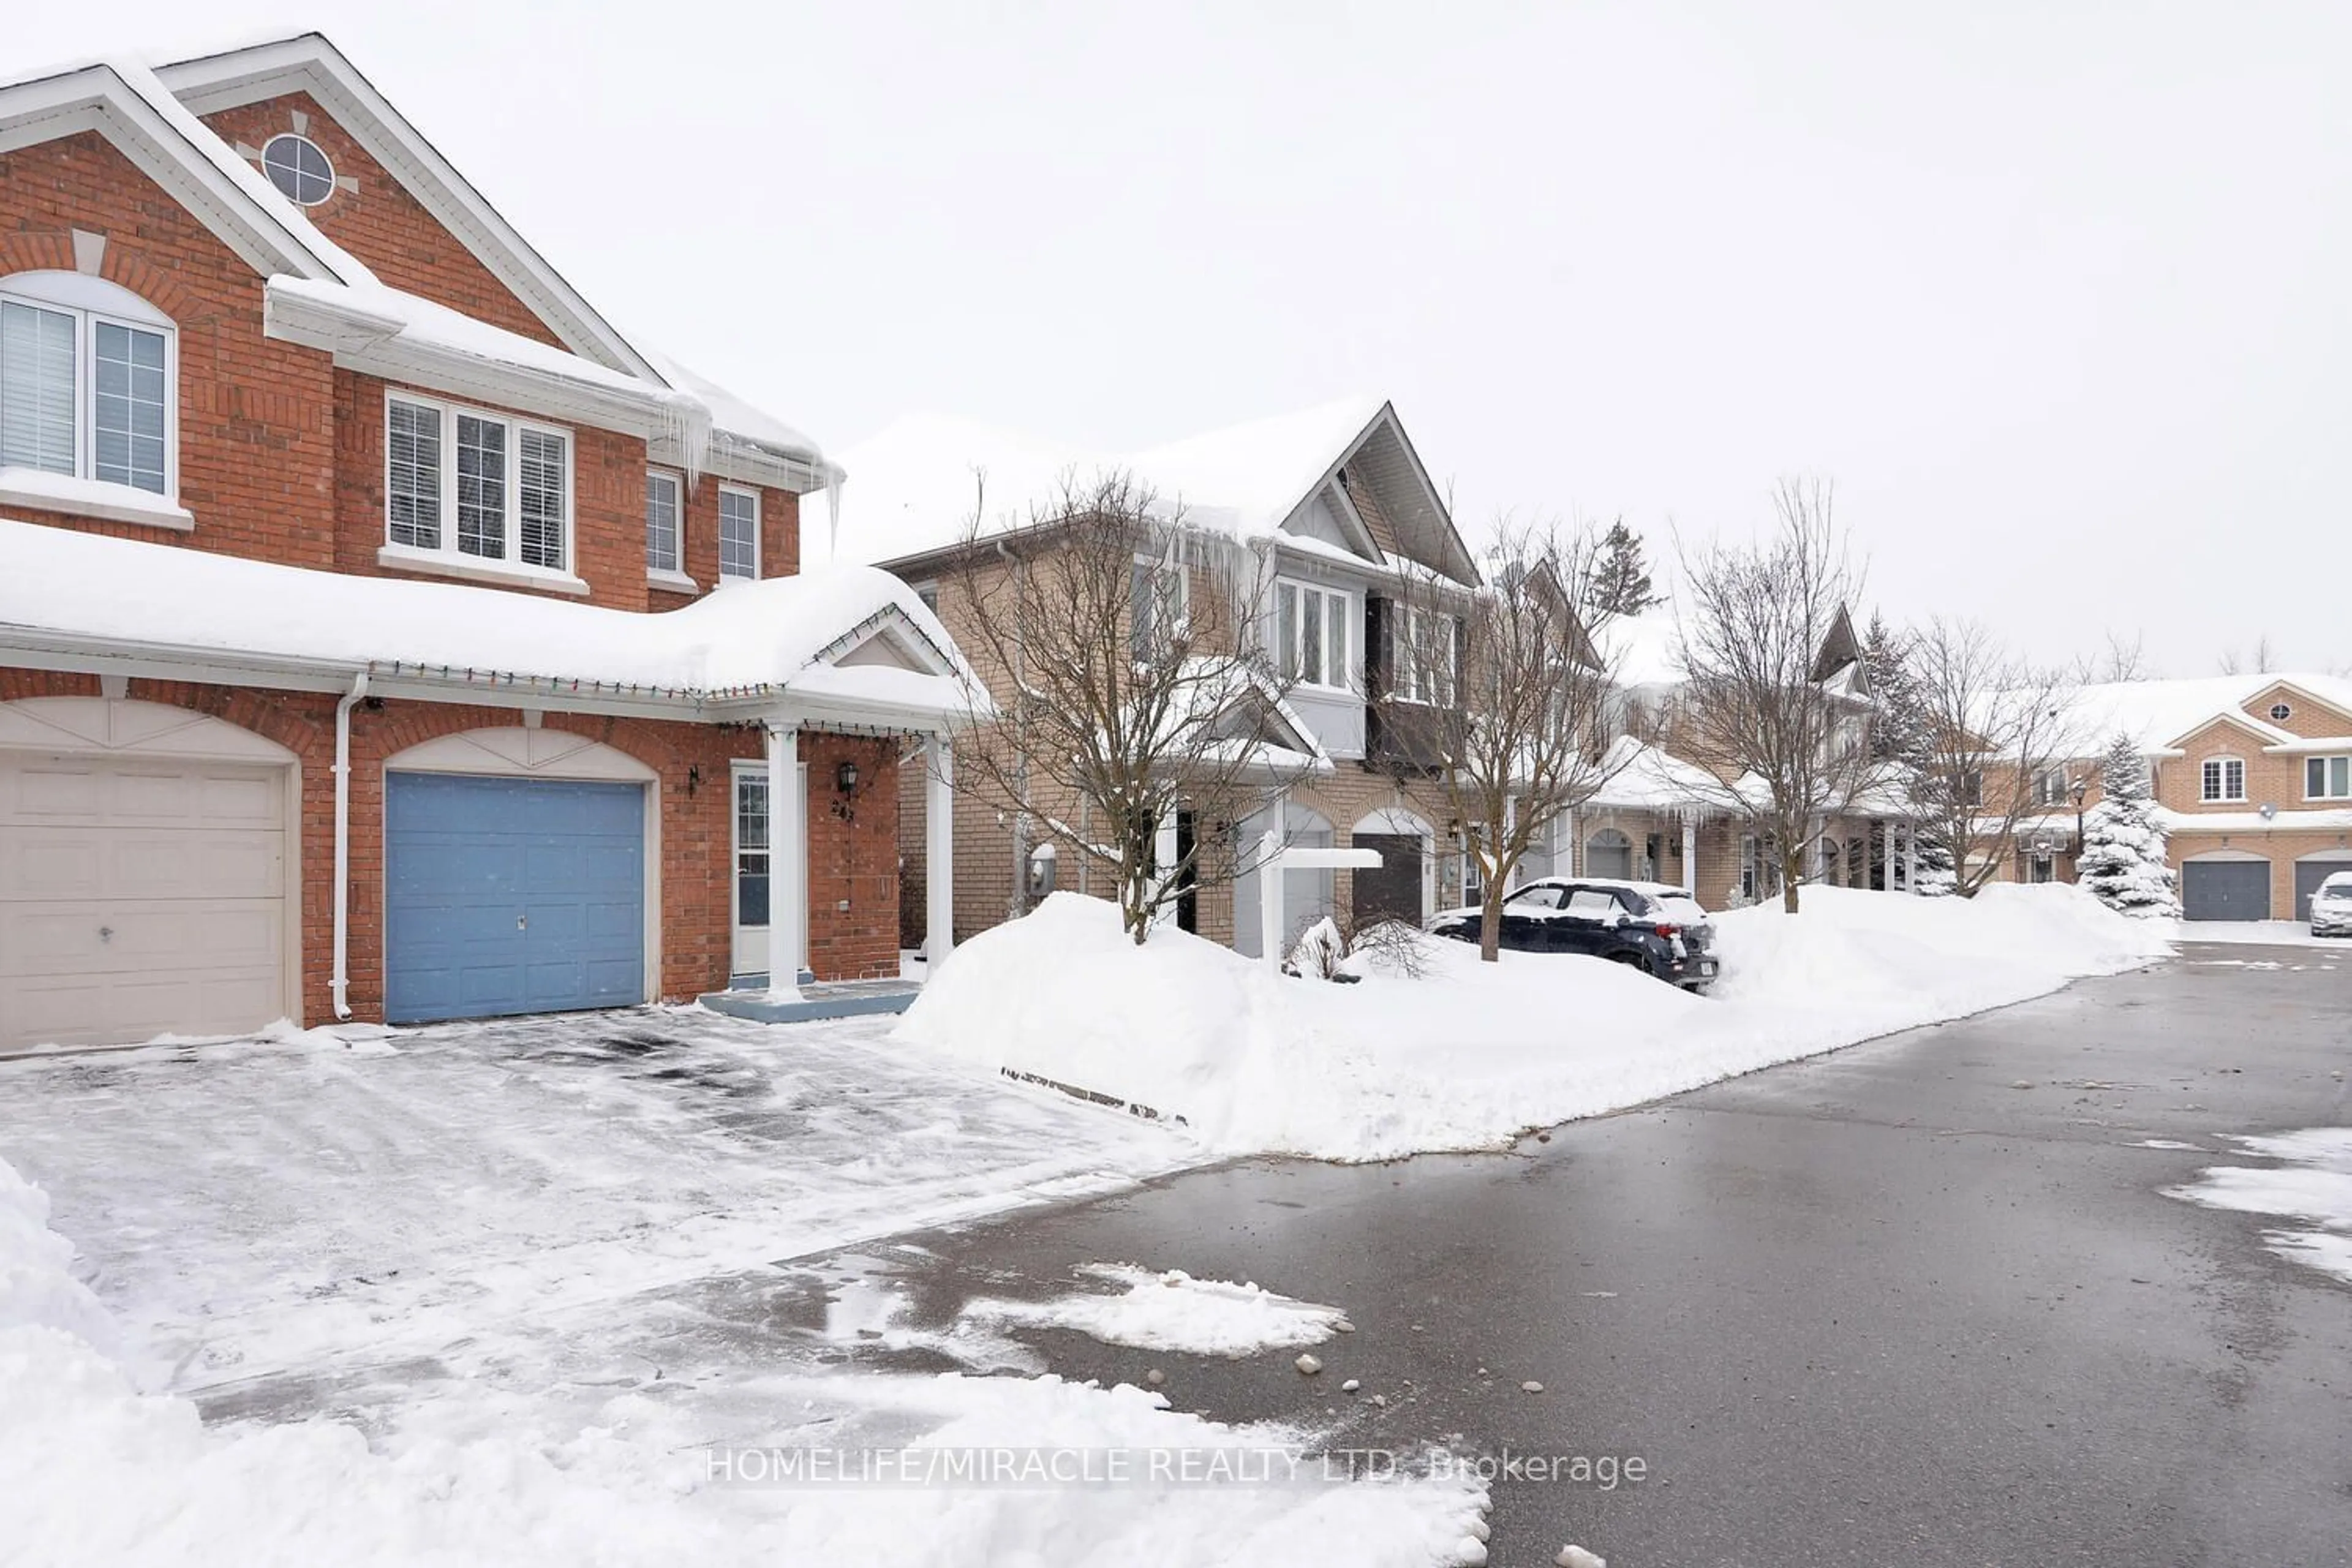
(2225, 885)
(520, 875)
(148, 874)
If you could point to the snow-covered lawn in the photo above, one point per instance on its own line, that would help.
(504, 1294)
(1469, 1054)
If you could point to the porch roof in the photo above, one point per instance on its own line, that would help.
(852, 645)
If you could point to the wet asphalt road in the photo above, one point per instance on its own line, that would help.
(1881, 1307)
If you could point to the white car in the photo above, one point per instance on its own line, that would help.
(2331, 906)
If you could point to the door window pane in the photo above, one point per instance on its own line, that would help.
(751, 849)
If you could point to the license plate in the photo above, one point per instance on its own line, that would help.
(1707, 966)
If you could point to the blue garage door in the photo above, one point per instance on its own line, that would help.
(511, 896)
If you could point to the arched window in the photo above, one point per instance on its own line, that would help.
(89, 382)
(2222, 779)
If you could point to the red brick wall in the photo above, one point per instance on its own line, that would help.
(256, 418)
(608, 501)
(849, 859)
(779, 536)
(381, 222)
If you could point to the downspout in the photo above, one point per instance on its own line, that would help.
(341, 983)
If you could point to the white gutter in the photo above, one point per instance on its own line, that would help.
(342, 983)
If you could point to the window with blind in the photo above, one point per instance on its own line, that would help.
(739, 534)
(475, 486)
(87, 382)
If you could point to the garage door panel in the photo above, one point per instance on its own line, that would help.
(2226, 889)
(140, 896)
(508, 895)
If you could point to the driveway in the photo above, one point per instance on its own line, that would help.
(262, 1208)
(1922, 1301)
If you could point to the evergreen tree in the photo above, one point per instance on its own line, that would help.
(2122, 862)
(1898, 741)
(1621, 577)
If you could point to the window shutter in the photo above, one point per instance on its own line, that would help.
(1139, 611)
(1460, 629)
(1377, 616)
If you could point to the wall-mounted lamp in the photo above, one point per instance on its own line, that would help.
(845, 778)
(693, 777)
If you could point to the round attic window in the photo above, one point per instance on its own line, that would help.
(2281, 712)
(298, 170)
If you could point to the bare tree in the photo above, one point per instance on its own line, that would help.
(2122, 661)
(1764, 707)
(1502, 695)
(1995, 732)
(2260, 661)
(1126, 685)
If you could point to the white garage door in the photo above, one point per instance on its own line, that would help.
(139, 896)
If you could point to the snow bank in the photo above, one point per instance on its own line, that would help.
(1174, 1312)
(1472, 1054)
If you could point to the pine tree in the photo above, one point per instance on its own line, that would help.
(2122, 862)
(1898, 740)
(1621, 578)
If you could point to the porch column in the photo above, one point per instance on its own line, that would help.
(938, 851)
(1565, 863)
(787, 859)
(1690, 854)
(1887, 832)
(1911, 858)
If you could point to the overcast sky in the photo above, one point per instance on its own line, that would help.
(2057, 293)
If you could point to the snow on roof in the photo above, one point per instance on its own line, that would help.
(912, 487)
(1648, 779)
(731, 413)
(2157, 713)
(772, 635)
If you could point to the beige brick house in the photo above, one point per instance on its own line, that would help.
(1323, 504)
(2252, 774)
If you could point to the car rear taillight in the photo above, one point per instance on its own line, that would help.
(1670, 931)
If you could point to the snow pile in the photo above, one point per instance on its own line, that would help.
(99, 1473)
(2314, 1184)
(1472, 1054)
(1174, 1312)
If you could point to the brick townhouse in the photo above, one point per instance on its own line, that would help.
(2252, 778)
(384, 635)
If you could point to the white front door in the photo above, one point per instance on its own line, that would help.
(752, 882)
(140, 896)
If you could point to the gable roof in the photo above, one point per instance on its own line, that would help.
(309, 63)
(917, 482)
(2160, 714)
(325, 298)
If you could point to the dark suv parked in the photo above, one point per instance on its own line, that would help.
(1658, 928)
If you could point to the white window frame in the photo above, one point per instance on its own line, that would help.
(2051, 786)
(510, 535)
(759, 523)
(672, 575)
(1338, 611)
(1158, 570)
(1413, 683)
(2208, 794)
(92, 302)
(2327, 766)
